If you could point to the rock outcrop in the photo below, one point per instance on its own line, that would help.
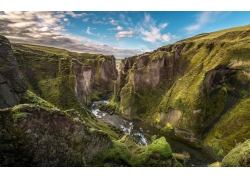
(32, 135)
(12, 84)
(66, 79)
(193, 85)
(94, 77)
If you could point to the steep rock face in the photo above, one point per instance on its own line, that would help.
(95, 78)
(143, 77)
(12, 84)
(191, 87)
(66, 79)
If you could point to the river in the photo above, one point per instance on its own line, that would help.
(142, 132)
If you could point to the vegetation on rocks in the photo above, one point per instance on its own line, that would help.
(65, 78)
(238, 157)
(31, 98)
(32, 135)
(108, 108)
(199, 84)
(197, 89)
(231, 129)
(57, 129)
(126, 152)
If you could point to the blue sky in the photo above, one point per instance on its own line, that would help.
(122, 34)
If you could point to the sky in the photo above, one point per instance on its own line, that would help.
(118, 33)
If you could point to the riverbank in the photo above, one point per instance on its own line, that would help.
(142, 133)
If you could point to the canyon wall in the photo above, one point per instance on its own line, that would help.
(65, 78)
(197, 88)
(58, 129)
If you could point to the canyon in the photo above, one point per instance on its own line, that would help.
(195, 90)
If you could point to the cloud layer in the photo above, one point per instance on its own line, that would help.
(123, 34)
(49, 29)
(152, 33)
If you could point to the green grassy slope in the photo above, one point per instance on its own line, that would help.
(202, 79)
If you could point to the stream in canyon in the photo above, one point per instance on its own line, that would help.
(142, 132)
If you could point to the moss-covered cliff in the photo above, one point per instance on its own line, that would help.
(197, 87)
(64, 78)
(57, 129)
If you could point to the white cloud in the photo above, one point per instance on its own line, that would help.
(85, 19)
(44, 29)
(166, 37)
(152, 33)
(123, 34)
(21, 24)
(202, 19)
(16, 16)
(118, 28)
(88, 31)
(32, 21)
(74, 15)
(48, 29)
(151, 36)
(193, 28)
(162, 26)
(48, 18)
(113, 22)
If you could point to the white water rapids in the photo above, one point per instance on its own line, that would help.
(143, 132)
(126, 126)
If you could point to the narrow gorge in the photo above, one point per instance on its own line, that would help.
(197, 88)
(194, 92)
